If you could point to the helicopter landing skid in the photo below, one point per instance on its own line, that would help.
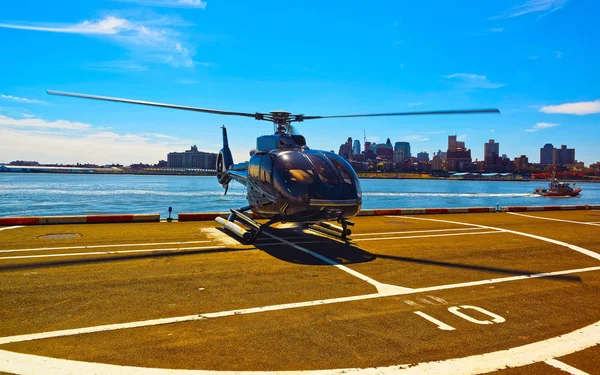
(247, 235)
(334, 230)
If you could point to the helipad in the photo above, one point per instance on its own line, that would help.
(477, 293)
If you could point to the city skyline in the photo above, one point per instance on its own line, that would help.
(537, 65)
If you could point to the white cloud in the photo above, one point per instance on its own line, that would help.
(558, 54)
(41, 124)
(149, 38)
(117, 66)
(171, 3)
(540, 126)
(65, 141)
(580, 108)
(492, 130)
(462, 137)
(415, 104)
(473, 81)
(533, 6)
(21, 100)
(397, 42)
(497, 29)
(415, 138)
(534, 57)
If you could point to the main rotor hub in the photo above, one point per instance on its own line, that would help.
(282, 120)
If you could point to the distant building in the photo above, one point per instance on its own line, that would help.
(423, 156)
(356, 148)
(458, 157)
(384, 151)
(451, 143)
(521, 163)
(490, 148)
(192, 158)
(492, 162)
(404, 147)
(546, 154)
(563, 155)
(436, 163)
(441, 154)
(346, 149)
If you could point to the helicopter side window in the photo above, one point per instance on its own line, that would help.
(266, 167)
(254, 167)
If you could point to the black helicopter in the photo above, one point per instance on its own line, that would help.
(286, 181)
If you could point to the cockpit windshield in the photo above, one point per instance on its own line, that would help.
(326, 173)
(314, 175)
(293, 166)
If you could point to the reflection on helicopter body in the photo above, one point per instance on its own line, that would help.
(302, 186)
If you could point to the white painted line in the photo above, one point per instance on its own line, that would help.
(102, 246)
(287, 306)
(426, 236)
(563, 366)
(441, 325)
(15, 227)
(549, 218)
(115, 252)
(541, 351)
(411, 231)
(143, 251)
(381, 287)
(545, 239)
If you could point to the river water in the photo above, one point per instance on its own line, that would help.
(44, 194)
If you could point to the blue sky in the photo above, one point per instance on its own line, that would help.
(535, 60)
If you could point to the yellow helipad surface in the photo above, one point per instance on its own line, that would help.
(478, 293)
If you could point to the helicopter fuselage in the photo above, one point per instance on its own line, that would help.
(292, 183)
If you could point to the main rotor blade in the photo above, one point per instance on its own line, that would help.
(257, 116)
(446, 112)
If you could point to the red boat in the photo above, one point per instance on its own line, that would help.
(558, 189)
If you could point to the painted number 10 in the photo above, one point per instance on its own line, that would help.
(495, 318)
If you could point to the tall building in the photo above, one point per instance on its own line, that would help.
(423, 156)
(436, 163)
(491, 157)
(356, 147)
(346, 149)
(458, 157)
(563, 155)
(404, 147)
(452, 143)
(546, 154)
(490, 148)
(192, 158)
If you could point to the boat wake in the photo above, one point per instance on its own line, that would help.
(463, 195)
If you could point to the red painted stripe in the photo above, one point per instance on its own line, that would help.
(582, 207)
(109, 218)
(197, 216)
(436, 210)
(478, 209)
(516, 208)
(19, 221)
(388, 212)
(552, 208)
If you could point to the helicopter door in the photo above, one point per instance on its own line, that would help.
(266, 174)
